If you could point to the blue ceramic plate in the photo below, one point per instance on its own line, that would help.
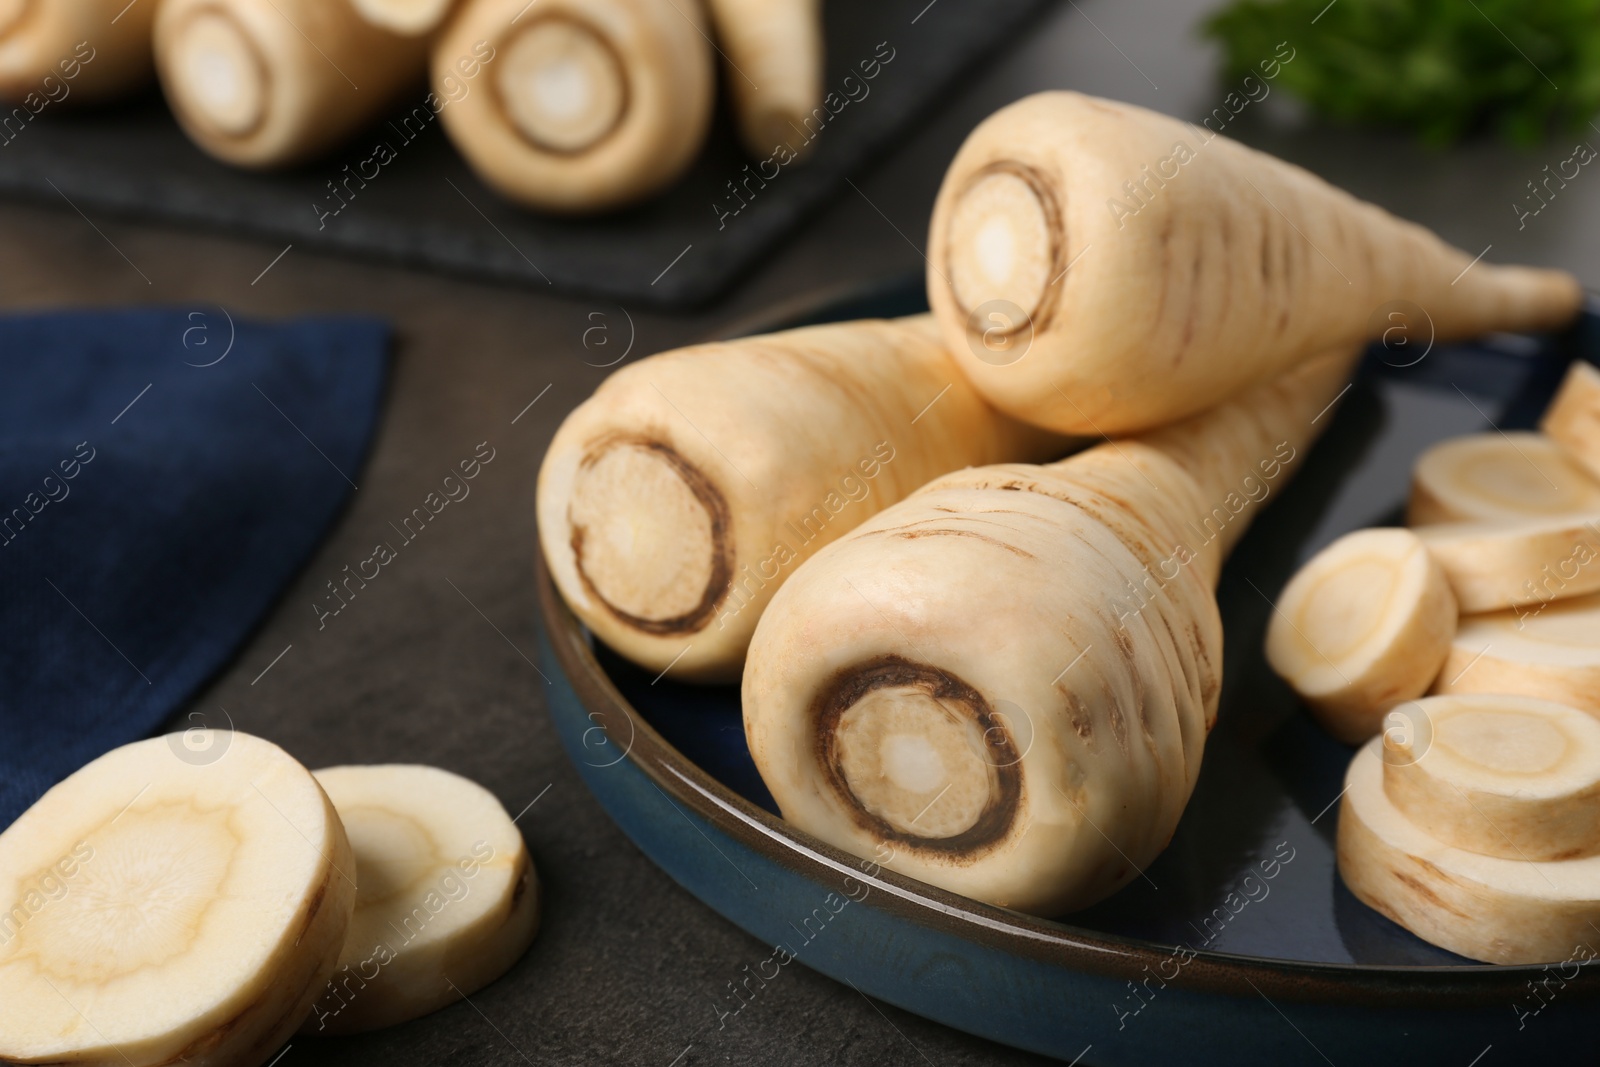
(1240, 944)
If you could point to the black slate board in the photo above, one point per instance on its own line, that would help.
(427, 209)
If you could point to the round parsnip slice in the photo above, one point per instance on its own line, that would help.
(1483, 907)
(1573, 418)
(179, 899)
(1367, 622)
(1502, 775)
(1495, 565)
(1551, 651)
(1488, 477)
(447, 900)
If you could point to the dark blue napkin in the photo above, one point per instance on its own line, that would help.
(163, 474)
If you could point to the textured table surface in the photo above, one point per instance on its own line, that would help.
(431, 663)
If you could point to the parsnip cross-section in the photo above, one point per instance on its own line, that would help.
(448, 899)
(1363, 625)
(1484, 907)
(163, 908)
(1489, 476)
(1505, 776)
(1549, 650)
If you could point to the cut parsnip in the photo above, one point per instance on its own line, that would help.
(773, 50)
(1550, 651)
(447, 897)
(594, 103)
(1365, 624)
(410, 18)
(171, 902)
(1505, 776)
(1573, 417)
(1495, 565)
(1002, 685)
(90, 50)
(1482, 907)
(677, 499)
(266, 83)
(1489, 477)
(1149, 268)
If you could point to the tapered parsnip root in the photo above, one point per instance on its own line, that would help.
(774, 69)
(90, 50)
(168, 903)
(1197, 266)
(1500, 775)
(1004, 682)
(1495, 565)
(1484, 907)
(595, 103)
(677, 499)
(447, 900)
(1365, 624)
(1491, 477)
(1546, 650)
(266, 83)
(410, 18)
(1573, 418)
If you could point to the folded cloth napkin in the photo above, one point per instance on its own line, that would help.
(163, 474)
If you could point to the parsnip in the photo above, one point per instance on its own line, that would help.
(1365, 624)
(773, 69)
(1488, 477)
(1550, 651)
(162, 908)
(410, 18)
(447, 897)
(677, 499)
(1500, 775)
(595, 103)
(1573, 417)
(266, 83)
(1197, 266)
(1005, 681)
(1494, 565)
(1483, 907)
(90, 50)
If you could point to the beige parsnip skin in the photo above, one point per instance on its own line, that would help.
(1573, 418)
(268, 83)
(677, 499)
(1228, 267)
(206, 904)
(1489, 477)
(1547, 650)
(1002, 685)
(1483, 907)
(773, 69)
(103, 44)
(593, 104)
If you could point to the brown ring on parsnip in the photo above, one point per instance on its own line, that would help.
(607, 45)
(1043, 189)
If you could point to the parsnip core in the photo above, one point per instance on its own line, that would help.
(648, 534)
(562, 85)
(914, 762)
(1002, 243)
(220, 78)
(1347, 607)
(1510, 742)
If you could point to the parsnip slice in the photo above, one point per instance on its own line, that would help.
(1550, 651)
(164, 906)
(1483, 907)
(1367, 622)
(1573, 418)
(447, 901)
(1495, 565)
(1492, 476)
(1502, 775)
